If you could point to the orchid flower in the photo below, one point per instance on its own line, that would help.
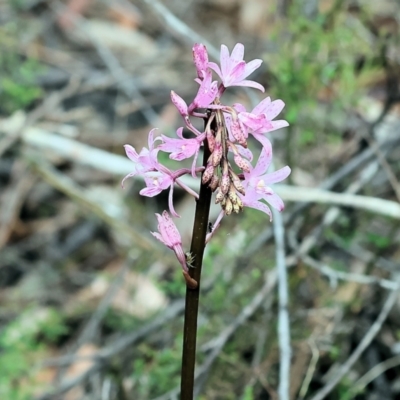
(169, 235)
(146, 160)
(234, 70)
(207, 92)
(256, 184)
(260, 120)
(182, 148)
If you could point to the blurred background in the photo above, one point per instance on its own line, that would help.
(91, 304)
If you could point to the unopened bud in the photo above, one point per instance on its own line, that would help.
(207, 174)
(210, 140)
(225, 182)
(238, 207)
(237, 182)
(241, 163)
(217, 154)
(232, 194)
(200, 58)
(228, 207)
(238, 132)
(214, 182)
(219, 197)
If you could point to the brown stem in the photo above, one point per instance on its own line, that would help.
(193, 294)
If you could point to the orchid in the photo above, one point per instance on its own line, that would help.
(228, 169)
(182, 148)
(234, 70)
(256, 184)
(207, 92)
(169, 235)
(226, 172)
(260, 119)
(146, 160)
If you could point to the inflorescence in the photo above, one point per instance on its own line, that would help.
(226, 133)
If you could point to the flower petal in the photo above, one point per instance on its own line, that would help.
(276, 176)
(131, 153)
(261, 207)
(264, 160)
(274, 109)
(237, 52)
(275, 201)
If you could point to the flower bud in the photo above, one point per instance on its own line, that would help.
(210, 140)
(232, 194)
(237, 207)
(228, 207)
(237, 182)
(214, 182)
(207, 174)
(200, 58)
(238, 132)
(241, 163)
(224, 184)
(217, 154)
(219, 197)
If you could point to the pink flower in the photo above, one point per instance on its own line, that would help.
(259, 121)
(256, 181)
(207, 92)
(234, 70)
(200, 59)
(182, 148)
(146, 160)
(170, 236)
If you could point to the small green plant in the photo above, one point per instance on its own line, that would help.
(18, 87)
(22, 343)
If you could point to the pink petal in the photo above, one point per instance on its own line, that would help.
(261, 207)
(151, 140)
(235, 74)
(215, 68)
(171, 229)
(274, 109)
(171, 204)
(200, 58)
(252, 66)
(151, 191)
(278, 124)
(275, 201)
(239, 107)
(262, 139)
(237, 52)
(160, 238)
(128, 176)
(264, 160)
(131, 153)
(179, 104)
(276, 176)
(262, 106)
(252, 84)
(179, 132)
(225, 60)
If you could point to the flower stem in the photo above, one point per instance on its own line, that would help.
(192, 295)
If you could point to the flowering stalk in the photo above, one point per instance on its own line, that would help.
(226, 170)
(193, 292)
